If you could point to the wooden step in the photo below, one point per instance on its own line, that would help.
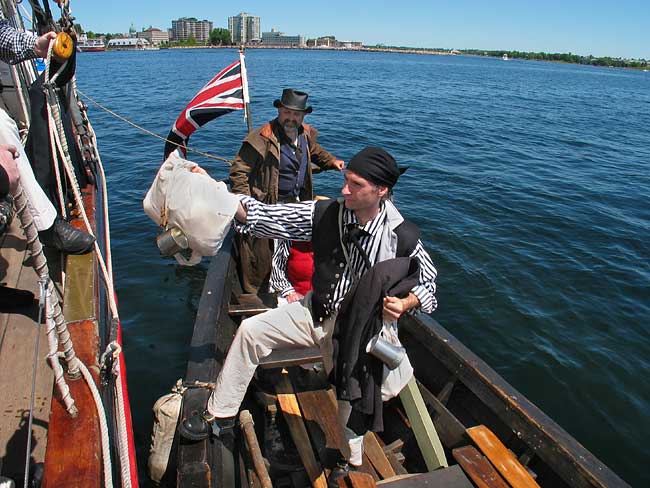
(248, 304)
(478, 468)
(291, 411)
(283, 358)
(502, 459)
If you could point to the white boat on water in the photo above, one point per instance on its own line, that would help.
(505, 57)
(90, 45)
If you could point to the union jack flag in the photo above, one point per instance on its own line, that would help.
(226, 92)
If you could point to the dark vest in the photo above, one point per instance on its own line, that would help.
(292, 169)
(329, 260)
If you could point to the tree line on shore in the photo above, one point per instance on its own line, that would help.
(565, 58)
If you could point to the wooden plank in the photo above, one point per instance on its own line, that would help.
(289, 406)
(478, 468)
(319, 408)
(422, 425)
(376, 455)
(451, 477)
(285, 358)
(208, 463)
(74, 456)
(247, 304)
(357, 479)
(18, 333)
(505, 462)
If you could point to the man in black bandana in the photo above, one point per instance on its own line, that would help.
(350, 235)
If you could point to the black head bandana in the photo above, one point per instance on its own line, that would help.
(377, 166)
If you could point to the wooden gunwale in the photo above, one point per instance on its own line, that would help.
(527, 423)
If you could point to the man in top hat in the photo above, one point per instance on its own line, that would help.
(350, 235)
(273, 165)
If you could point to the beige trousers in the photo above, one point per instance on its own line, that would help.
(288, 326)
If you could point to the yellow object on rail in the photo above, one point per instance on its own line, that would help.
(63, 46)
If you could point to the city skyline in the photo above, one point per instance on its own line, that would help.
(580, 27)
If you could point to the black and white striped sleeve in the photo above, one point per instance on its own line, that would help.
(279, 280)
(15, 45)
(426, 289)
(291, 221)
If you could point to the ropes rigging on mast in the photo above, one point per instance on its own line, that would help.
(146, 131)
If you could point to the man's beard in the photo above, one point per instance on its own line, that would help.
(290, 129)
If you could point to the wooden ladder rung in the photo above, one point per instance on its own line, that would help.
(478, 468)
(502, 459)
(248, 304)
(283, 358)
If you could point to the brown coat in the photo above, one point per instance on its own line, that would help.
(255, 172)
(256, 168)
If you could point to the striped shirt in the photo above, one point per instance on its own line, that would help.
(15, 45)
(294, 221)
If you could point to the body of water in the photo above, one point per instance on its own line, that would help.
(530, 182)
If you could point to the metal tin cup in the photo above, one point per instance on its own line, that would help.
(172, 241)
(386, 352)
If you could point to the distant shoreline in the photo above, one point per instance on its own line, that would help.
(604, 62)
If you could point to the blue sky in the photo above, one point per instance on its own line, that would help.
(619, 29)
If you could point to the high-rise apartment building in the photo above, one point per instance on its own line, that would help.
(186, 27)
(244, 28)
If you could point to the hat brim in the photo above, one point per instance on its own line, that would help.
(278, 104)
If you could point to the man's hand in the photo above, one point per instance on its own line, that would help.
(339, 164)
(8, 156)
(43, 43)
(199, 170)
(294, 297)
(394, 307)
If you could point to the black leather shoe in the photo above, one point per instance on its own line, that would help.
(67, 239)
(201, 426)
(341, 470)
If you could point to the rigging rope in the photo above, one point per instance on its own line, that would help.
(58, 135)
(146, 131)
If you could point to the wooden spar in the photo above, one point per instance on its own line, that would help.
(244, 81)
(246, 423)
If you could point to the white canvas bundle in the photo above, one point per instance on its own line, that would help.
(201, 207)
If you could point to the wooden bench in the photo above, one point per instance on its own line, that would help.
(248, 304)
(503, 460)
(283, 358)
(478, 468)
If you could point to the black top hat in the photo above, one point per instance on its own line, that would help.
(294, 100)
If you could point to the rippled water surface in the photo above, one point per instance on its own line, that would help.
(530, 182)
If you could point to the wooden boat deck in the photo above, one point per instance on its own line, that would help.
(18, 333)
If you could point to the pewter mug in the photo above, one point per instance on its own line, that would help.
(172, 241)
(390, 354)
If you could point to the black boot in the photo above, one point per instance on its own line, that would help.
(200, 426)
(67, 239)
(13, 298)
(341, 470)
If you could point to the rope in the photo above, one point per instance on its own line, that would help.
(123, 451)
(106, 448)
(153, 134)
(54, 315)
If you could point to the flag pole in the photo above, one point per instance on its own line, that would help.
(244, 81)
